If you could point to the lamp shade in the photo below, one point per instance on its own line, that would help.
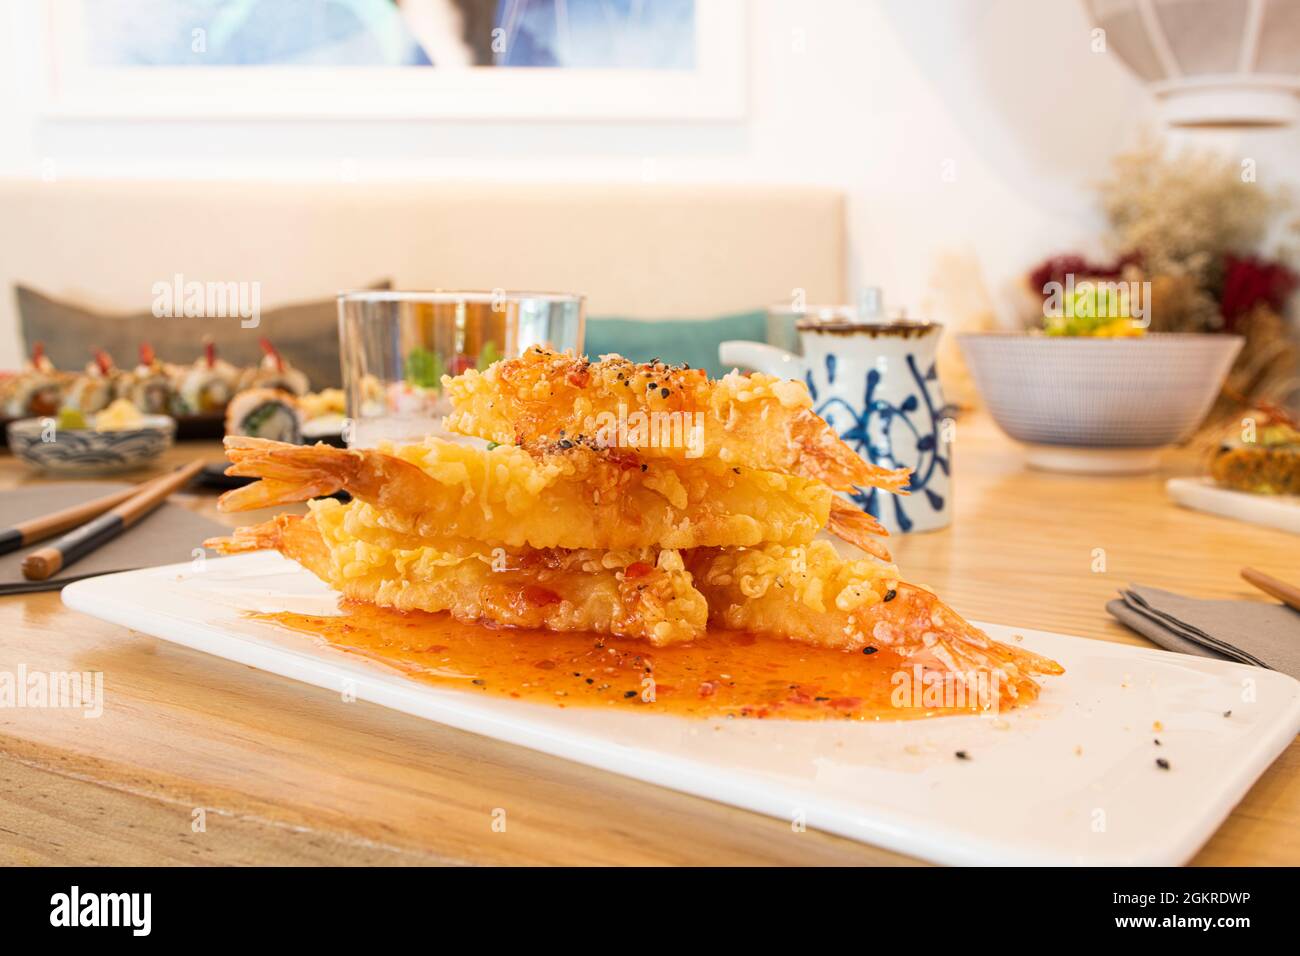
(1210, 62)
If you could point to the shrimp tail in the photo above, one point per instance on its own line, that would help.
(257, 537)
(926, 631)
(288, 472)
(291, 473)
(294, 536)
(858, 528)
(828, 459)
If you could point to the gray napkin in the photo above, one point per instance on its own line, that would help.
(166, 536)
(1249, 632)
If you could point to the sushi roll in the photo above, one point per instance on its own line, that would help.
(208, 385)
(265, 413)
(275, 372)
(94, 389)
(37, 391)
(151, 386)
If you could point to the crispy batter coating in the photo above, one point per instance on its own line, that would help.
(807, 593)
(555, 590)
(811, 594)
(753, 421)
(572, 498)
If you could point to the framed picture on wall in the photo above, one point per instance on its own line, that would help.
(437, 59)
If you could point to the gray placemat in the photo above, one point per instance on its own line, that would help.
(1250, 632)
(167, 536)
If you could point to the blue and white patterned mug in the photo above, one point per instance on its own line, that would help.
(875, 383)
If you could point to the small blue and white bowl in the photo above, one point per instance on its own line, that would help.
(84, 451)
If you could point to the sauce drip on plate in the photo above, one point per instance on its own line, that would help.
(726, 674)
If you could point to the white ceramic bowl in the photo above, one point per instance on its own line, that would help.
(1098, 404)
(86, 451)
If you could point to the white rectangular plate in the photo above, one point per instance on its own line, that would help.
(1202, 494)
(1071, 780)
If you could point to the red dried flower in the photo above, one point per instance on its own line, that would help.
(1249, 281)
(1057, 268)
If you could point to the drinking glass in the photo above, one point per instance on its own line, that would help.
(396, 346)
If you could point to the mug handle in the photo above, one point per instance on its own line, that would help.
(761, 357)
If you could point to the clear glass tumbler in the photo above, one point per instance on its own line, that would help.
(396, 346)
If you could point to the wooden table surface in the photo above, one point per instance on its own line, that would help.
(282, 773)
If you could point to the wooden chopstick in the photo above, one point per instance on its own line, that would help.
(1288, 594)
(39, 528)
(41, 564)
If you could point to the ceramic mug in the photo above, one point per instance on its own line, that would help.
(875, 383)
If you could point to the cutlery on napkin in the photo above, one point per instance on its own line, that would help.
(1249, 632)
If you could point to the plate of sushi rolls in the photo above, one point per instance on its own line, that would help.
(198, 396)
(36, 390)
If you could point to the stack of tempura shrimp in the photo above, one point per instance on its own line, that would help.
(638, 500)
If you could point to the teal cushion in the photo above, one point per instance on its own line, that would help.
(693, 341)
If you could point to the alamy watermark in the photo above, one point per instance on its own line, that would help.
(182, 298)
(653, 429)
(1098, 298)
(65, 690)
(933, 689)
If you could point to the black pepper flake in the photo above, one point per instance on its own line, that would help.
(1162, 763)
(890, 594)
(590, 681)
(736, 470)
(478, 681)
(629, 694)
(869, 650)
(663, 393)
(652, 386)
(644, 467)
(821, 698)
(1227, 713)
(1157, 742)
(962, 755)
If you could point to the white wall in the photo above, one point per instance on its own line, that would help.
(879, 97)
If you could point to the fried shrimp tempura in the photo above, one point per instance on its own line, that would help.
(572, 498)
(556, 590)
(811, 594)
(751, 421)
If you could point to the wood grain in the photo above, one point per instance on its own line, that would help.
(289, 774)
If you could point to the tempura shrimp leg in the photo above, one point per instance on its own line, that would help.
(556, 591)
(750, 421)
(811, 594)
(576, 497)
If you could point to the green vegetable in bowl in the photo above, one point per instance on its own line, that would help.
(71, 419)
(1096, 310)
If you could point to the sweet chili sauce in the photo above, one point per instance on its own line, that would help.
(725, 674)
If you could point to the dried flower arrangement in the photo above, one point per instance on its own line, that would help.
(1195, 225)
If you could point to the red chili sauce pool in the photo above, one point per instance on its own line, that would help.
(725, 674)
